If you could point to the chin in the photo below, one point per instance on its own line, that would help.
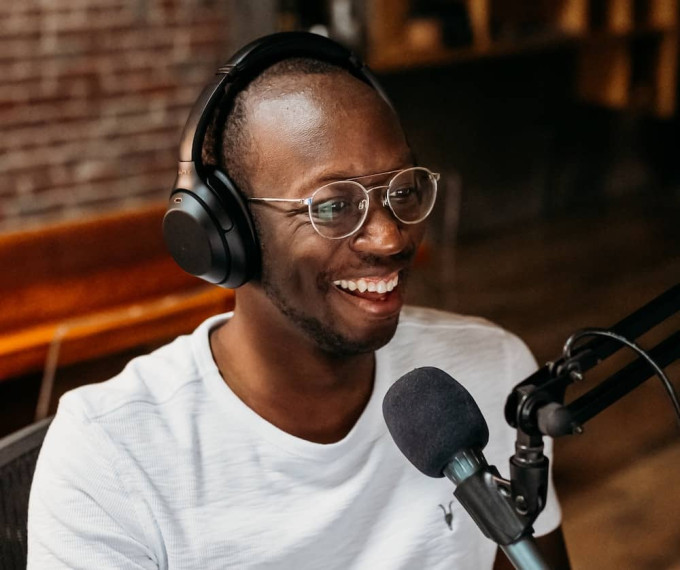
(343, 345)
(334, 342)
(334, 335)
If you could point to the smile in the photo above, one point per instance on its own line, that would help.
(369, 284)
(374, 297)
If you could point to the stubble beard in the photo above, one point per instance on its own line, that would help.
(326, 338)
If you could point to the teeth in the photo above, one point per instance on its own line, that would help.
(362, 285)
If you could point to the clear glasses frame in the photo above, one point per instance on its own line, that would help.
(385, 201)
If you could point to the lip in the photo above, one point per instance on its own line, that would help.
(372, 283)
(374, 276)
(389, 306)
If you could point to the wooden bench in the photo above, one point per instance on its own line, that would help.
(94, 287)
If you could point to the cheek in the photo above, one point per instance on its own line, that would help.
(417, 232)
(294, 257)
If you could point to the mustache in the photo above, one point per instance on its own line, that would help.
(400, 261)
(403, 258)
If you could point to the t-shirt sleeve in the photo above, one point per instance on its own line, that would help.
(522, 365)
(80, 513)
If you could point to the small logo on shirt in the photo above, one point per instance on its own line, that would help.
(448, 516)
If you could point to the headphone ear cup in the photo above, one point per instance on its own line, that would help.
(209, 232)
(242, 240)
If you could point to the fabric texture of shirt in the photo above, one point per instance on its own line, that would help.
(164, 467)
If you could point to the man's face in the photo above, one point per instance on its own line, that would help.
(325, 128)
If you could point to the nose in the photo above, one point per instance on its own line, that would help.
(382, 234)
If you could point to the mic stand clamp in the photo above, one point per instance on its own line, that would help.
(491, 502)
(529, 476)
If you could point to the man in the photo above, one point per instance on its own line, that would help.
(257, 442)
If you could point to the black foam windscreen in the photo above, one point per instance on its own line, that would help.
(431, 418)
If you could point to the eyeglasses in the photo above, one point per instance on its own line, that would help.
(338, 209)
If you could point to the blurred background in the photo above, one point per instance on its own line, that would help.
(554, 124)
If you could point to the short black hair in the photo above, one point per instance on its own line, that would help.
(228, 143)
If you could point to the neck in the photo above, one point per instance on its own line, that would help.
(290, 382)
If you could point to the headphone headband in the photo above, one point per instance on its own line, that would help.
(248, 63)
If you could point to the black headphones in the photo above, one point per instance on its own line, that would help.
(207, 226)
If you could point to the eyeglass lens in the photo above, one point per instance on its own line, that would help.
(340, 208)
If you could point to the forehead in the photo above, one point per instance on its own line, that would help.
(314, 127)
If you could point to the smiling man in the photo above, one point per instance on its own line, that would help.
(258, 441)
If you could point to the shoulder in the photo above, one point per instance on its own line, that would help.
(108, 441)
(478, 353)
(146, 380)
(434, 331)
(425, 318)
(149, 387)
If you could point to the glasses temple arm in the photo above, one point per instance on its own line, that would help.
(296, 200)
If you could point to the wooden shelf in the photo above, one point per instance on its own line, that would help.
(397, 58)
(614, 69)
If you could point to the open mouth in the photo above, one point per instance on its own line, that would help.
(368, 288)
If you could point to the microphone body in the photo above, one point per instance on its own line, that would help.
(438, 426)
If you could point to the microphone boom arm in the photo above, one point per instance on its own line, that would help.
(547, 386)
(536, 406)
(557, 420)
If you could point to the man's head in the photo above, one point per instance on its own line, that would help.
(296, 127)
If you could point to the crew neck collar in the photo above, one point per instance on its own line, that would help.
(369, 427)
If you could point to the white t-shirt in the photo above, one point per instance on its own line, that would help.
(164, 467)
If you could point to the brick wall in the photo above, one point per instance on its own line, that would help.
(93, 96)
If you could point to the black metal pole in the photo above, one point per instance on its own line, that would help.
(624, 381)
(549, 382)
(634, 325)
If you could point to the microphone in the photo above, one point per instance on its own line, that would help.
(438, 426)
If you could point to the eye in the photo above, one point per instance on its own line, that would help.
(331, 209)
(404, 194)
